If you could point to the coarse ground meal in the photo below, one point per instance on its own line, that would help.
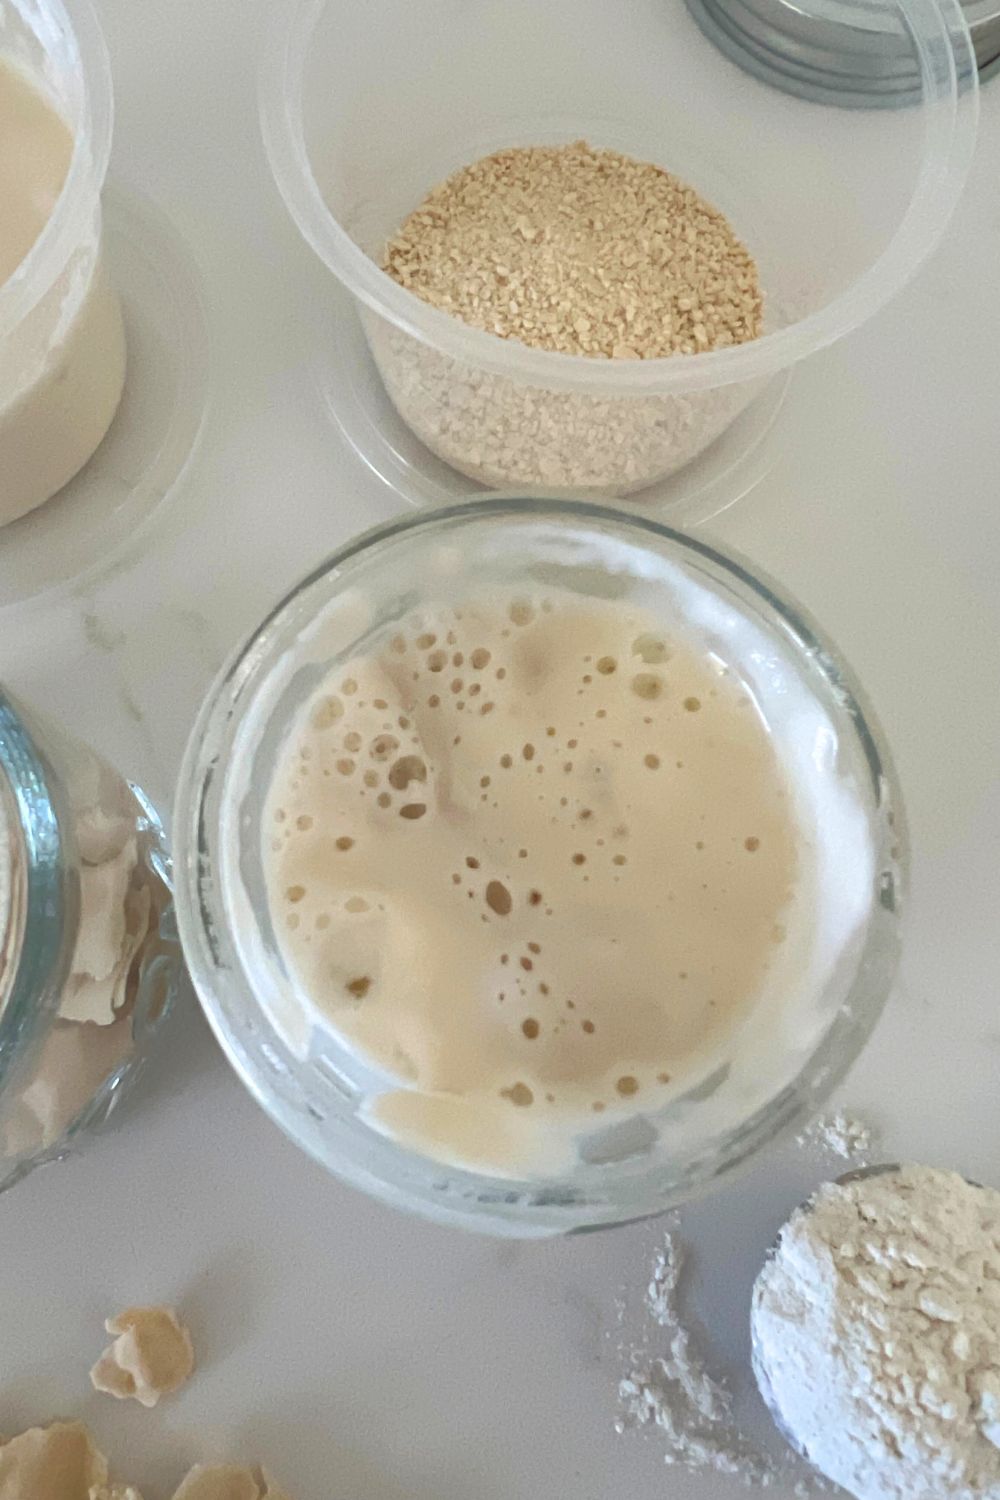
(583, 252)
(580, 251)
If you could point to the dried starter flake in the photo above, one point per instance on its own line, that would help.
(580, 251)
(58, 1462)
(150, 1357)
(103, 889)
(228, 1482)
(121, 901)
(73, 1062)
(115, 905)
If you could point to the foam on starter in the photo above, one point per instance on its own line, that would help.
(533, 860)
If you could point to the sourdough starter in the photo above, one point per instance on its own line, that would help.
(534, 861)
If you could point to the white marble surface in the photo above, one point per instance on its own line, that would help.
(361, 1355)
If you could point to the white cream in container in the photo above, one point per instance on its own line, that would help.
(62, 343)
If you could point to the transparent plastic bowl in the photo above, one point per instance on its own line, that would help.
(366, 107)
(62, 343)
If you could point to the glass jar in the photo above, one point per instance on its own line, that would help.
(89, 956)
(307, 1079)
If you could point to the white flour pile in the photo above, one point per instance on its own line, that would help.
(877, 1330)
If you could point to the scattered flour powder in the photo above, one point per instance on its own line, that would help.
(839, 1135)
(877, 1335)
(674, 1391)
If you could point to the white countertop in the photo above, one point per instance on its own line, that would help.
(361, 1355)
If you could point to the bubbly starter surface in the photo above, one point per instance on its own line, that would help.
(61, 370)
(532, 860)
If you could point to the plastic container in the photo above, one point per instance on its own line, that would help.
(100, 517)
(62, 345)
(89, 956)
(363, 115)
(316, 1088)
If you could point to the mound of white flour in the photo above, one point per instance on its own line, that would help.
(877, 1331)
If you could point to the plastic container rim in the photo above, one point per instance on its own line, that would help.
(942, 41)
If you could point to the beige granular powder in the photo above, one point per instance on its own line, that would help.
(502, 431)
(511, 244)
(580, 251)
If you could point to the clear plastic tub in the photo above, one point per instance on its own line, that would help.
(62, 345)
(362, 117)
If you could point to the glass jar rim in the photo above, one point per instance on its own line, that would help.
(38, 951)
(224, 983)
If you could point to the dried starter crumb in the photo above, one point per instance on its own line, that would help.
(580, 251)
(151, 1356)
(61, 1462)
(228, 1482)
(46, 1462)
(121, 901)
